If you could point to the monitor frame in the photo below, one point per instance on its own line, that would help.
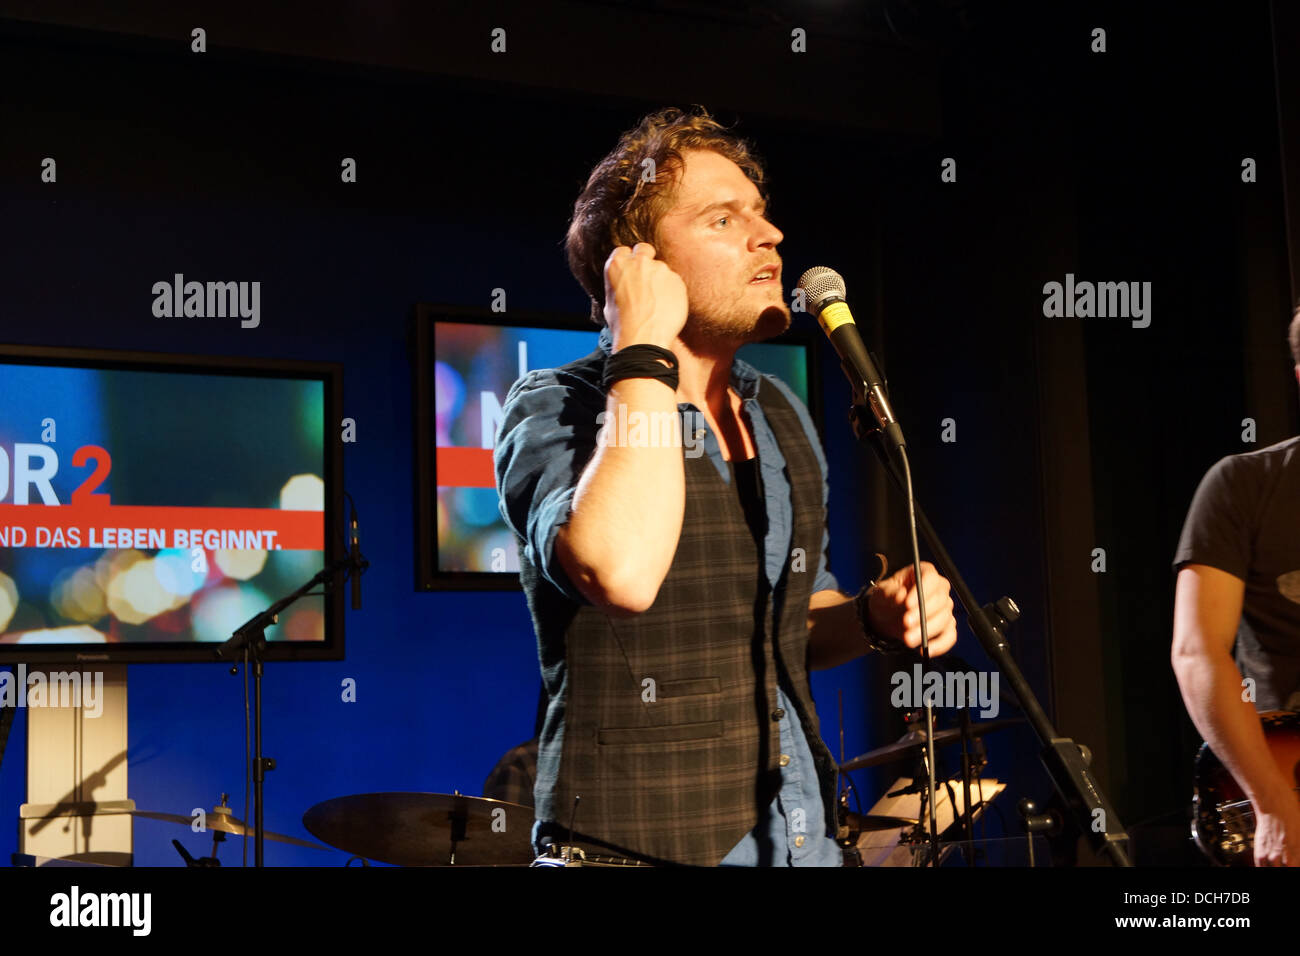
(158, 652)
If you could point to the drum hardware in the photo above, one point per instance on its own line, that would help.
(1047, 822)
(974, 760)
(556, 855)
(867, 822)
(852, 824)
(913, 744)
(914, 740)
(910, 845)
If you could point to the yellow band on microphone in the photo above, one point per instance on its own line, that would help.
(835, 315)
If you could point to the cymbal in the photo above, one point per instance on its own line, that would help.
(226, 824)
(865, 822)
(425, 829)
(915, 739)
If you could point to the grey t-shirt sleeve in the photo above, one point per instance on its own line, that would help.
(1219, 528)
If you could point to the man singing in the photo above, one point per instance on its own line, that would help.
(677, 619)
(1238, 584)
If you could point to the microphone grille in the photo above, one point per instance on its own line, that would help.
(819, 284)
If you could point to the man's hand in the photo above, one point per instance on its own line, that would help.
(645, 300)
(892, 607)
(1277, 834)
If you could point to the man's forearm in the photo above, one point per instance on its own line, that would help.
(627, 510)
(834, 632)
(1212, 686)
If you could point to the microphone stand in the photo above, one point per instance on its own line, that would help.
(250, 637)
(1060, 755)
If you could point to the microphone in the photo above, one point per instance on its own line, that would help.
(355, 554)
(824, 293)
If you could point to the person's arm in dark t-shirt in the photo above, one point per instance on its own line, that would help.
(1213, 562)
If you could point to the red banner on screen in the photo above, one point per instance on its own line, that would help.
(465, 468)
(150, 527)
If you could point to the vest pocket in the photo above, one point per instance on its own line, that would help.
(690, 688)
(662, 734)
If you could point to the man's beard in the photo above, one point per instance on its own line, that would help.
(705, 330)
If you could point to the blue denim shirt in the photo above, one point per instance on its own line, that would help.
(792, 830)
(536, 497)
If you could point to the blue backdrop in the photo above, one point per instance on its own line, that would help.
(445, 682)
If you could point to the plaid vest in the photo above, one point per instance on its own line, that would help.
(665, 724)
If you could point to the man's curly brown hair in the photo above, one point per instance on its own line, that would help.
(619, 207)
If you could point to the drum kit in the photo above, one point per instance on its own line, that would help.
(440, 829)
(904, 809)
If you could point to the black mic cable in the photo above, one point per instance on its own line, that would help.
(824, 293)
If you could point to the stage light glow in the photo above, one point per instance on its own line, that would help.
(135, 595)
(75, 634)
(305, 624)
(218, 611)
(58, 596)
(84, 596)
(175, 570)
(74, 594)
(303, 493)
(240, 565)
(8, 599)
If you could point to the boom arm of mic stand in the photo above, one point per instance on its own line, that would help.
(251, 635)
(1060, 755)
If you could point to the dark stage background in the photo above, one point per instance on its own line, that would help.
(1071, 434)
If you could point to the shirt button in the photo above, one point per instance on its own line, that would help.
(778, 714)
(798, 841)
(785, 760)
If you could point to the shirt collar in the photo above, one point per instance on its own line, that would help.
(744, 377)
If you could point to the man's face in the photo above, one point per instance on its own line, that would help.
(716, 238)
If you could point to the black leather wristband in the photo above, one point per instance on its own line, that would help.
(878, 642)
(641, 361)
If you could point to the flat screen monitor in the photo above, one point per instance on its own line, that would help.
(150, 504)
